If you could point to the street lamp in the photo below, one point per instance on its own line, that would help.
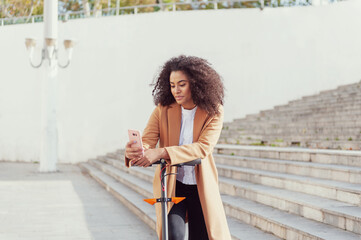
(50, 51)
(68, 45)
(49, 131)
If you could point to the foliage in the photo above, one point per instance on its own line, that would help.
(20, 8)
(70, 5)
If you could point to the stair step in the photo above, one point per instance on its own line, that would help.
(146, 174)
(136, 184)
(242, 231)
(281, 224)
(345, 192)
(125, 195)
(341, 157)
(320, 170)
(335, 213)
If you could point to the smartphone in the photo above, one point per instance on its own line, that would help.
(135, 135)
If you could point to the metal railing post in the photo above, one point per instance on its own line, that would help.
(118, 5)
(174, 7)
(215, 4)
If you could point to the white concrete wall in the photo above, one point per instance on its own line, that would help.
(265, 57)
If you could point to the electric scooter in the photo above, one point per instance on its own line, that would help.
(164, 200)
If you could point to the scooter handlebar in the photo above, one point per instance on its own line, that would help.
(191, 163)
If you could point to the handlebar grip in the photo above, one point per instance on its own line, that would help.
(156, 163)
(191, 163)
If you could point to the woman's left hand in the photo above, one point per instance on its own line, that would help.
(150, 157)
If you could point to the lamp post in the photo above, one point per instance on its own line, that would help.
(49, 130)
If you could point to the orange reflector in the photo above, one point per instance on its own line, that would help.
(177, 199)
(151, 201)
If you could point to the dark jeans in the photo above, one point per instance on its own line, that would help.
(176, 218)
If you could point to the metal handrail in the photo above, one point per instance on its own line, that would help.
(176, 6)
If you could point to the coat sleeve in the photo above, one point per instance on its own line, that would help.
(150, 134)
(203, 146)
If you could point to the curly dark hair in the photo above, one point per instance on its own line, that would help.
(206, 84)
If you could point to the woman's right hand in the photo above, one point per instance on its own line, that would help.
(133, 152)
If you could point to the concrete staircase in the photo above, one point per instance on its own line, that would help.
(272, 186)
(328, 120)
(267, 192)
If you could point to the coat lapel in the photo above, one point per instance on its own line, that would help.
(175, 120)
(199, 120)
(174, 123)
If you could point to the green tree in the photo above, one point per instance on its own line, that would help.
(20, 8)
(71, 5)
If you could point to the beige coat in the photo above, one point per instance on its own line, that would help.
(164, 125)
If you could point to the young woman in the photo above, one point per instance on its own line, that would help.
(187, 123)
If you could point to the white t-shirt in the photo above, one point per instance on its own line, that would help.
(186, 174)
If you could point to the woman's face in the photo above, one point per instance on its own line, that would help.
(180, 88)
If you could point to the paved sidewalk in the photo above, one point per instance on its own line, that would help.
(61, 206)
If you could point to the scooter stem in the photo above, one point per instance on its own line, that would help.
(164, 203)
